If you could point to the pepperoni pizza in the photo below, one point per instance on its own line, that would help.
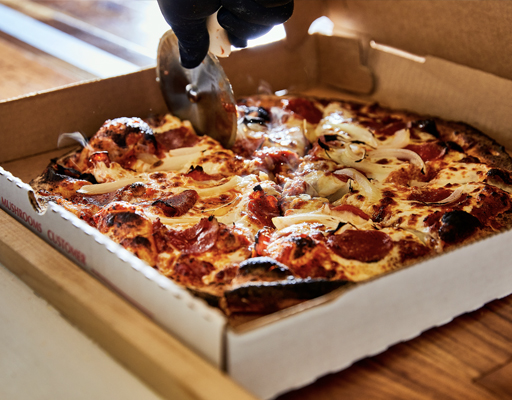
(314, 195)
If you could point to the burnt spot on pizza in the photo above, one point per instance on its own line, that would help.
(383, 209)
(227, 274)
(426, 125)
(51, 174)
(457, 225)
(470, 160)
(141, 247)
(263, 268)
(453, 146)
(57, 173)
(141, 241)
(229, 241)
(272, 296)
(124, 218)
(138, 189)
(302, 246)
(501, 174)
(254, 115)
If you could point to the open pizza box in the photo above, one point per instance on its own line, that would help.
(379, 51)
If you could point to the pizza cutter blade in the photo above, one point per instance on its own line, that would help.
(202, 95)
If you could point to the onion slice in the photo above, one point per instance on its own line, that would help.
(400, 140)
(216, 190)
(358, 133)
(187, 150)
(403, 154)
(76, 136)
(175, 163)
(102, 188)
(372, 193)
(329, 221)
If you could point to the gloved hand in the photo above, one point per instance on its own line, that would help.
(242, 19)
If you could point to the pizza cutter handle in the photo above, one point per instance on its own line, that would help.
(219, 41)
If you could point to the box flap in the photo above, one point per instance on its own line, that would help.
(466, 32)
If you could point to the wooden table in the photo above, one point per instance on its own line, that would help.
(470, 357)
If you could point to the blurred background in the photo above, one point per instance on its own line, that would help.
(50, 43)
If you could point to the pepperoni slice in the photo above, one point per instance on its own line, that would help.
(364, 246)
(190, 270)
(431, 195)
(263, 207)
(306, 109)
(353, 210)
(278, 160)
(391, 128)
(99, 156)
(177, 205)
(177, 138)
(197, 239)
(428, 151)
(261, 241)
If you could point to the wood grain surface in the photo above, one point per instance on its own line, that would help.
(468, 358)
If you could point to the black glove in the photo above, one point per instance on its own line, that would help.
(242, 19)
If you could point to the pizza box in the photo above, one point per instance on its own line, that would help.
(366, 57)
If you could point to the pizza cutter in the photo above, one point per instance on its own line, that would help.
(202, 95)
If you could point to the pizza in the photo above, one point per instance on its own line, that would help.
(315, 195)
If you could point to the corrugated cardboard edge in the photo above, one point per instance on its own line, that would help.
(156, 295)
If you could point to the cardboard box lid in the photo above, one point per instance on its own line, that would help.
(466, 32)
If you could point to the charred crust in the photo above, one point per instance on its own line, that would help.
(268, 297)
(476, 144)
(470, 160)
(453, 146)
(501, 174)
(263, 267)
(302, 246)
